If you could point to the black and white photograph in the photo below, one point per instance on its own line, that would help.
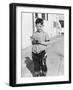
(42, 44)
(42, 35)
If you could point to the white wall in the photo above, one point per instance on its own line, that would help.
(4, 45)
(49, 25)
(27, 29)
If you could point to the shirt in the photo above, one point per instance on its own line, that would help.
(40, 37)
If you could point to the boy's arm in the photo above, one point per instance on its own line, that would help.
(33, 40)
(46, 42)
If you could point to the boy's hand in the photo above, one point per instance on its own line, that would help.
(34, 42)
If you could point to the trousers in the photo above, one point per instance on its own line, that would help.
(38, 61)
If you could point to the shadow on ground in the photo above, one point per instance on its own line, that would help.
(30, 65)
(55, 59)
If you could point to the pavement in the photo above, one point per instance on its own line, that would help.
(54, 62)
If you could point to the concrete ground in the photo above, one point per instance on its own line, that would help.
(55, 58)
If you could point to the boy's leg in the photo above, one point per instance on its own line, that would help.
(44, 66)
(36, 64)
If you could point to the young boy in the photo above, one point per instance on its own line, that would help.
(39, 43)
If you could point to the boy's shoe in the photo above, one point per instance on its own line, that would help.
(43, 73)
(40, 73)
(37, 74)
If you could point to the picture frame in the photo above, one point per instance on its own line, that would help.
(18, 22)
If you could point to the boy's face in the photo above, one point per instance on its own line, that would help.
(39, 27)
